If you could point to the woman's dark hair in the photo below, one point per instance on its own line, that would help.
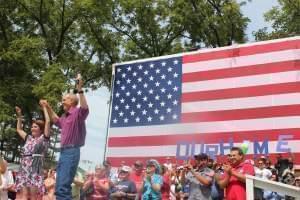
(289, 179)
(262, 159)
(291, 164)
(40, 123)
(274, 171)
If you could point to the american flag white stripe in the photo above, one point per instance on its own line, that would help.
(256, 59)
(241, 103)
(209, 127)
(245, 81)
(273, 88)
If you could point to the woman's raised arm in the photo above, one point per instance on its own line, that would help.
(47, 119)
(20, 130)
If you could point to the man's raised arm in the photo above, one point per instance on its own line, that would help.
(82, 99)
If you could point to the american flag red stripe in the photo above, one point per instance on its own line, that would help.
(267, 68)
(258, 48)
(248, 92)
(252, 91)
(254, 113)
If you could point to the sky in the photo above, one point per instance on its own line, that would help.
(93, 151)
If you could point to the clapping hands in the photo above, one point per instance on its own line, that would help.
(227, 168)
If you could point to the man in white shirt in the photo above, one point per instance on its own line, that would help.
(261, 172)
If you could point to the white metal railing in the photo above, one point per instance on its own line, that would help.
(281, 188)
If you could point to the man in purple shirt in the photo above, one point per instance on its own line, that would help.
(73, 132)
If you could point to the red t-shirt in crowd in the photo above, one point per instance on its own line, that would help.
(98, 192)
(166, 187)
(236, 190)
(138, 180)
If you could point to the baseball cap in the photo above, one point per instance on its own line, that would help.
(125, 169)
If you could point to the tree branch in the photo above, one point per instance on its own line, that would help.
(170, 40)
(44, 33)
(3, 30)
(60, 41)
(142, 47)
(99, 40)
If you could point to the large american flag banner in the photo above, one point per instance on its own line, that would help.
(208, 101)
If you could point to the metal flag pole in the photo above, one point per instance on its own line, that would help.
(109, 111)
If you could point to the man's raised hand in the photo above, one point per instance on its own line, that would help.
(18, 111)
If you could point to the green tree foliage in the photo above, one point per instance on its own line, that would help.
(45, 43)
(42, 48)
(284, 19)
(154, 28)
(100, 44)
(148, 28)
(213, 23)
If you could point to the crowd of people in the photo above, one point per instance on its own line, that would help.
(199, 178)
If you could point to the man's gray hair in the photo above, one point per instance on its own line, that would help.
(74, 98)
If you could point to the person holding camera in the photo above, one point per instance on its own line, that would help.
(199, 177)
(73, 133)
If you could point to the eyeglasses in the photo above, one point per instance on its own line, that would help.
(260, 163)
